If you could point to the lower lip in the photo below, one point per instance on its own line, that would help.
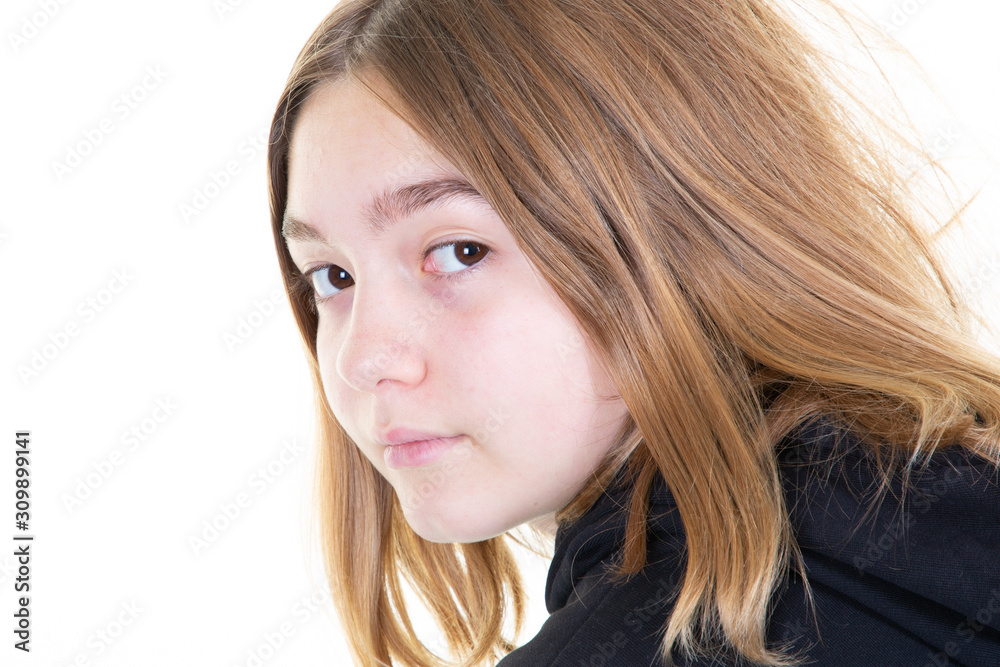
(418, 453)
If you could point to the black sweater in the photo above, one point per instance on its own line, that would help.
(913, 583)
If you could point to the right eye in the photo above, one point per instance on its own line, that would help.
(328, 280)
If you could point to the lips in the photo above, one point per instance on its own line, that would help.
(410, 448)
(402, 435)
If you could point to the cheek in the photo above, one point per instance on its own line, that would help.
(509, 363)
(502, 349)
(523, 360)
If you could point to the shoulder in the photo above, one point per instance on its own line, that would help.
(914, 576)
(914, 571)
(948, 507)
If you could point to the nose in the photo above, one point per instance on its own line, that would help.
(381, 340)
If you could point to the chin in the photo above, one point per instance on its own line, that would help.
(446, 529)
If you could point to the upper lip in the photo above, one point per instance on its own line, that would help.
(402, 435)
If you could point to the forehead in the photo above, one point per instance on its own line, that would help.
(352, 159)
(346, 143)
(344, 128)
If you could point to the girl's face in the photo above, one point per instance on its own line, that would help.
(434, 329)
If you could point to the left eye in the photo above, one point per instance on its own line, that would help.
(457, 255)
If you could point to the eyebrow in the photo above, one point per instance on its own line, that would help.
(392, 205)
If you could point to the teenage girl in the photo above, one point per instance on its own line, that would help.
(630, 272)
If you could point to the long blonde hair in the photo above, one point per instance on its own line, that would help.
(737, 252)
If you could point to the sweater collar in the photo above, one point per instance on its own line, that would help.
(597, 536)
(828, 479)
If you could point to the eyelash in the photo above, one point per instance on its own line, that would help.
(304, 288)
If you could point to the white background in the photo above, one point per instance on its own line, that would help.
(240, 416)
